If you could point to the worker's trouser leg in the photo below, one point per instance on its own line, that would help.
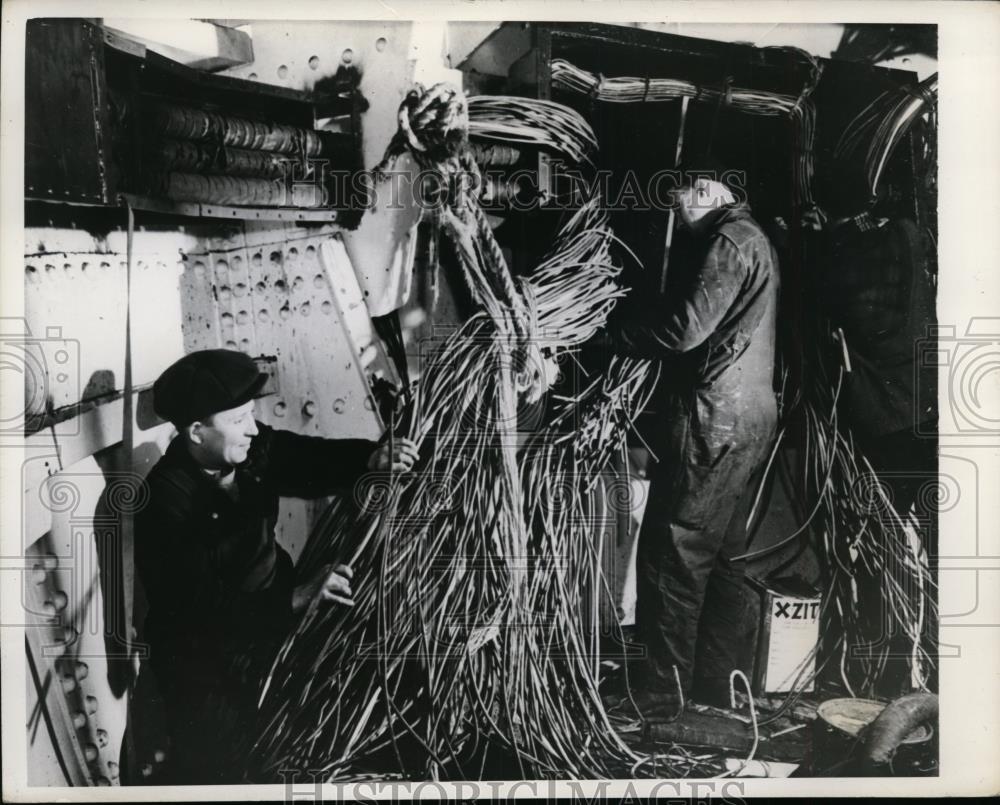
(723, 618)
(686, 576)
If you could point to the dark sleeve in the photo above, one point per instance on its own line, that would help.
(309, 466)
(257, 607)
(692, 316)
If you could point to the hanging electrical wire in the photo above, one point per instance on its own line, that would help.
(873, 134)
(877, 585)
(478, 576)
(544, 124)
(468, 639)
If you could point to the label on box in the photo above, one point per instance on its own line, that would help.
(794, 632)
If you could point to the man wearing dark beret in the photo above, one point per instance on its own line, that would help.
(221, 591)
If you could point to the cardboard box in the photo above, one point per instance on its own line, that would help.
(789, 630)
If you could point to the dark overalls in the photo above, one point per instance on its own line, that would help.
(717, 340)
(219, 587)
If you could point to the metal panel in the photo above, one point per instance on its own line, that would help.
(93, 430)
(499, 46)
(200, 318)
(45, 747)
(66, 138)
(301, 54)
(64, 603)
(262, 290)
(75, 306)
(230, 213)
(270, 296)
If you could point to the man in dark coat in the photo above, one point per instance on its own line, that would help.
(715, 333)
(221, 591)
(876, 284)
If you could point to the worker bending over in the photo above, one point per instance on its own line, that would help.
(715, 333)
(221, 591)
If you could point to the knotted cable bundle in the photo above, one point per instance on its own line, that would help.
(433, 127)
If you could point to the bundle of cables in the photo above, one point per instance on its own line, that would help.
(543, 124)
(468, 645)
(879, 599)
(869, 140)
(799, 109)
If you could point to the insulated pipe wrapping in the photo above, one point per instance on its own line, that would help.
(187, 123)
(191, 157)
(242, 191)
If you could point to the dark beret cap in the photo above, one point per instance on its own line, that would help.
(203, 383)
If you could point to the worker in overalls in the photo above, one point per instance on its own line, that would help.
(221, 592)
(714, 332)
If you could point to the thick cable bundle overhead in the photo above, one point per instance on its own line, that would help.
(798, 108)
(871, 137)
(187, 123)
(469, 568)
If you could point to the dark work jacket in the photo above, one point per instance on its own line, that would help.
(218, 586)
(714, 334)
(877, 287)
(716, 326)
